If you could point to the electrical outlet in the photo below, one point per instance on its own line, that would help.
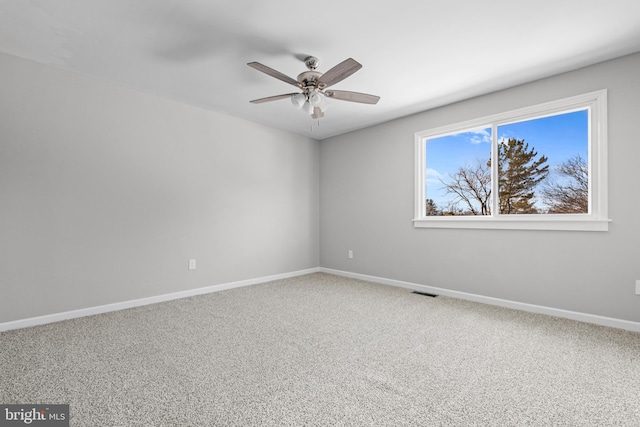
(350, 253)
(192, 264)
(637, 287)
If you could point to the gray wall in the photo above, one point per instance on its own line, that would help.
(366, 198)
(105, 194)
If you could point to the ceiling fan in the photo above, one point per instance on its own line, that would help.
(314, 86)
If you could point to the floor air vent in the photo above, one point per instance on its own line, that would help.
(426, 294)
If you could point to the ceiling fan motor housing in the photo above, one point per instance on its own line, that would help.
(309, 79)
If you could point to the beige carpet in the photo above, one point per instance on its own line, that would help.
(327, 351)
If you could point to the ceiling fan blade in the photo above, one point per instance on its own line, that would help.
(346, 95)
(273, 73)
(273, 98)
(339, 72)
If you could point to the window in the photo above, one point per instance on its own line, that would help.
(542, 167)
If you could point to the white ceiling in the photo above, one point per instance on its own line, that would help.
(416, 54)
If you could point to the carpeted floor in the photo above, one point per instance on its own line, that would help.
(327, 351)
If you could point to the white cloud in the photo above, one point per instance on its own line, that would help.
(432, 176)
(504, 137)
(432, 173)
(479, 136)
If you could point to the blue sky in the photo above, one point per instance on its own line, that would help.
(557, 137)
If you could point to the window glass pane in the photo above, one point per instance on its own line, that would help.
(542, 165)
(458, 174)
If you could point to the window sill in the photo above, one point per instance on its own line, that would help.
(518, 223)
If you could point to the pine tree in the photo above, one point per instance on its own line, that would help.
(518, 175)
(432, 208)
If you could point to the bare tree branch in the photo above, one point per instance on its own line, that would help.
(571, 193)
(471, 186)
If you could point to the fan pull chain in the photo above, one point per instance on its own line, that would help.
(311, 127)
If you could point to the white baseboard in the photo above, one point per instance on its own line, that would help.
(56, 317)
(574, 315)
(583, 317)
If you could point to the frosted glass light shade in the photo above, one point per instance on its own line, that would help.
(315, 99)
(308, 108)
(298, 100)
(323, 106)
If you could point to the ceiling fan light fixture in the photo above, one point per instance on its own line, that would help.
(308, 108)
(323, 105)
(298, 100)
(315, 99)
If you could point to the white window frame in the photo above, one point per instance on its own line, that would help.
(597, 217)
